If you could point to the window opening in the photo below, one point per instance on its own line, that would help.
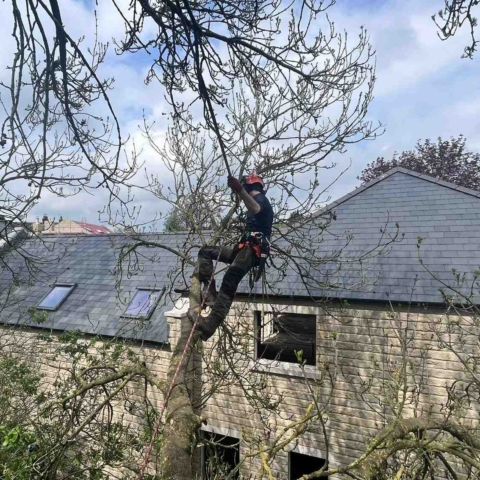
(300, 465)
(142, 304)
(53, 299)
(280, 335)
(221, 454)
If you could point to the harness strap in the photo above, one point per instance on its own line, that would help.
(257, 243)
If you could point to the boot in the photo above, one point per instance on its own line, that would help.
(204, 326)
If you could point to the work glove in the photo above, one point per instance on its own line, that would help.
(234, 184)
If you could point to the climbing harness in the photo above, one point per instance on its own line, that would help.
(260, 247)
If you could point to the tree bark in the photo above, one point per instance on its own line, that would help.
(181, 423)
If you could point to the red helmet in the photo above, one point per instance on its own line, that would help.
(251, 179)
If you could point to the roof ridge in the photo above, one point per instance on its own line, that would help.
(443, 183)
(393, 171)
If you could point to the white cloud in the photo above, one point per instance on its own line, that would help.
(424, 89)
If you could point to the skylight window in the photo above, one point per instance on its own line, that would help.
(143, 303)
(56, 297)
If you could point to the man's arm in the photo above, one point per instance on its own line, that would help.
(250, 203)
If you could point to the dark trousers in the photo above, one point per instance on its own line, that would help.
(241, 261)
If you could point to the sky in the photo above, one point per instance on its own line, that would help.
(424, 89)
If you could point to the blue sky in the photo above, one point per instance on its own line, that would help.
(424, 89)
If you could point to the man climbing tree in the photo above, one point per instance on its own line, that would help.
(242, 257)
(280, 92)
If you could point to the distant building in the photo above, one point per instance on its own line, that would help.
(49, 226)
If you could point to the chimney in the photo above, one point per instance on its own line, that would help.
(37, 226)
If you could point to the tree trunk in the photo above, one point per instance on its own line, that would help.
(181, 423)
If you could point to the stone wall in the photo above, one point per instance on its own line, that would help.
(360, 344)
(64, 227)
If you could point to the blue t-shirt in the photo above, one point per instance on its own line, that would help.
(262, 221)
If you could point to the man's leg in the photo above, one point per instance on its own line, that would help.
(204, 270)
(240, 267)
(206, 257)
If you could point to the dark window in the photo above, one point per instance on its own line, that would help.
(221, 455)
(299, 465)
(55, 297)
(143, 303)
(280, 335)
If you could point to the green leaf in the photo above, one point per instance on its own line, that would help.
(299, 355)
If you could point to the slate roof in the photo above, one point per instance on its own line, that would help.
(98, 302)
(446, 216)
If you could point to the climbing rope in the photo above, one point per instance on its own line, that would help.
(264, 282)
(158, 422)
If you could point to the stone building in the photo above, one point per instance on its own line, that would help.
(354, 327)
(48, 226)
